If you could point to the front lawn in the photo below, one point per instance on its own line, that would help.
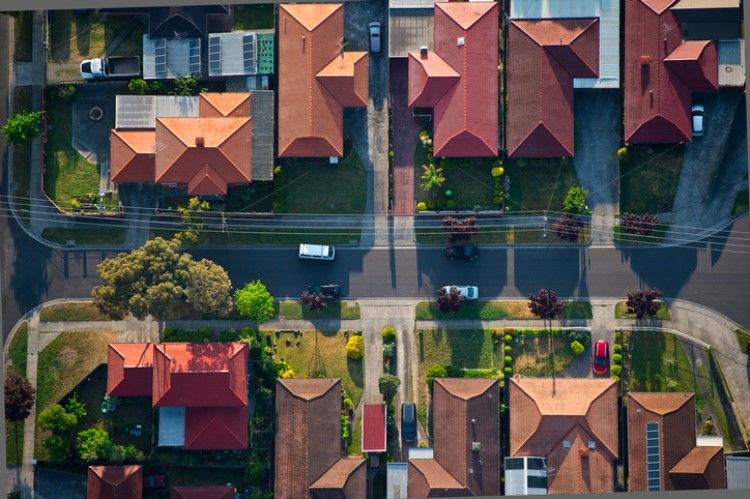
(344, 310)
(249, 17)
(496, 310)
(541, 352)
(98, 235)
(622, 238)
(313, 186)
(539, 184)
(621, 311)
(72, 312)
(320, 354)
(256, 197)
(648, 177)
(17, 350)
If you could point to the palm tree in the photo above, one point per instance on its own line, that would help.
(432, 177)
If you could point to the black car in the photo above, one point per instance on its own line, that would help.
(327, 290)
(462, 252)
(408, 422)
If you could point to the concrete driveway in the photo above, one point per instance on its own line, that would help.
(53, 484)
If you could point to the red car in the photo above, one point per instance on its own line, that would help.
(601, 357)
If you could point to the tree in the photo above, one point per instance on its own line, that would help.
(23, 127)
(576, 201)
(185, 85)
(435, 371)
(209, 289)
(460, 229)
(56, 419)
(254, 302)
(94, 444)
(432, 177)
(19, 397)
(76, 407)
(544, 304)
(639, 224)
(449, 300)
(568, 227)
(389, 351)
(138, 86)
(313, 301)
(642, 302)
(57, 448)
(355, 347)
(192, 219)
(388, 384)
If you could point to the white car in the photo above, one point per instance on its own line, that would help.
(698, 112)
(468, 292)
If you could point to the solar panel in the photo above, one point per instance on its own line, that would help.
(160, 57)
(248, 53)
(195, 56)
(214, 55)
(653, 458)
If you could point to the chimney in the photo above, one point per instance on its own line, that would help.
(645, 60)
(199, 142)
(423, 52)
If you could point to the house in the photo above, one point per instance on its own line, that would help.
(663, 451)
(662, 71)
(309, 461)
(317, 80)
(203, 144)
(200, 390)
(459, 79)
(465, 458)
(115, 482)
(187, 21)
(201, 492)
(544, 56)
(373, 427)
(570, 423)
(709, 19)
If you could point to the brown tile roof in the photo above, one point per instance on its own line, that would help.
(701, 468)
(661, 403)
(427, 479)
(545, 413)
(132, 155)
(129, 369)
(310, 115)
(115, 482)
(347, 478)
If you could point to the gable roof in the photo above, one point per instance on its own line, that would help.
(115, 482)
(201, 492)
(200, 375)
(347, 478)
(427, 477)
(459, 79)
(129, 369)
(224, 104)
(316, 80)
(545, 55)
(132, 155)
(661, 72)
(558, 418)
(216, 428)
(701, 468)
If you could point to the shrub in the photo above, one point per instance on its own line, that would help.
(57, 448)
(348, 404)
(622, 153)
(508, 359)
(255, 472)
(388, 384)
(508, 371)
(389, 350)
(498, 171)
(76, 407)
(255, 302)
(345, 424)
(355, 347)
(508, 338)
(617, 358)
(229, 336)
(507, 348)
(576, 201)
(155, 87)
(435, 371)
(389, 334)
(617, 348)
(23, 126)
(94, 444)
(65, 92)
(576, 347)
(284, 370)
(421, 206)
(451, 204)
(138, 86)
(56, 419)
(616, 370)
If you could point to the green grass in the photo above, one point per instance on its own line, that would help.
(68, 174)
(73, 38)
(740, 202)
(539, 184)
(248, 17)
(344, 310)
(256, 197)
(316, 187)
(63, 312)
(99, 235)
(320, 354)
(649, 177)
(22, 156)
(622, 238)
(717, 379)
(355, 444)
(23, 24)
(496, 310)
(540, 353)
(14, 436)
(621, 311)
(743, 338)
(18, 349)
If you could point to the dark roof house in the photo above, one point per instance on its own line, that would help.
(709, 19)
(466, 444)
(309, 462)
(186, 21)
(663, 451)
(459, 79)
(115, 482)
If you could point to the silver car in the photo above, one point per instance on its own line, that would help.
(468, 292)
(375, 37)
(698, 112)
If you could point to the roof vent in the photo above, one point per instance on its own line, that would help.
(460, 41)
(423, 51)
(566, 444)
(644, 60)
(199, 141)
(476, 446)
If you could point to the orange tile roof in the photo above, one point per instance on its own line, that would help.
(346, 78)
(129, 369)
(226, 104)
(430, 78)
(132, 155)
(115, 482)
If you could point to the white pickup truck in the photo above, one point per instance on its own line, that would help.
(111, 67)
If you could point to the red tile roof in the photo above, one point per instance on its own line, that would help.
(316, 80)
(129, 369)
(460, 81)
(373, 428)
(115, 482)
(132, 155)
(661, 72)
(544, 56)
(548, 414)
(201, 492)
(200, 375)
(216, 428)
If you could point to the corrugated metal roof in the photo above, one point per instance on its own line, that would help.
(731, 63)
(232, 54)
(410, 4)
(608, 12)
(262, 115)
(169, 58)
(738, 472)
(171, 426)
(398, 480)
(141, 111)
(409, 30)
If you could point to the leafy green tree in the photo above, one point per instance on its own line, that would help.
(192, 218)
(254, 302)
(57, 448)
(23, 127)
(185, 85)
(576, 201)
(210, 289)
(56, 419)
(388, 384)
(19, 397)
(138, 86)
(76, 407)
(432, 177)
(94, 444)
(355, 347)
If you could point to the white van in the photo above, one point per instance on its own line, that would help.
(317, 251)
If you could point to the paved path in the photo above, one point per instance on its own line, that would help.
(404, 137)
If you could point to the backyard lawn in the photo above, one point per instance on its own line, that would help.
(320, 354)
(94, 235)
(496, 310)
(539, 184)
(248, 17)
(649, 176)
(23, 34)
(621, 311)
(541, 353)
(74, 38)
(344, 310)
(72, 312)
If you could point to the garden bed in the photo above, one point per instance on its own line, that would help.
(621, 312)
(294, 310)
(649, 175)
(66, 312)
(497, 310)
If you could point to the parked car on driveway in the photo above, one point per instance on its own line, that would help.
(327, 290)
(698, 112)
(462, 252)
(375, 37)
(468, 292)
(601, 357)
(408, 422)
